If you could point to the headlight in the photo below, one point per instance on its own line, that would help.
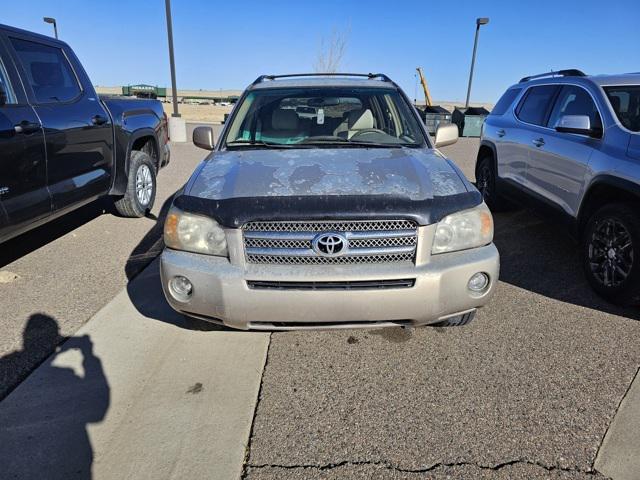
(462, 230)
(194, 233)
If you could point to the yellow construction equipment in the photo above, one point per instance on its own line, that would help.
(427, 95)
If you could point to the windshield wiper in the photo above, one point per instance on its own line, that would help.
(257, 144)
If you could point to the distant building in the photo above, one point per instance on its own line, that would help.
(144, 91)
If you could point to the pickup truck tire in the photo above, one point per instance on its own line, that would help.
(141, 187)
(486, 184)
(611, 253)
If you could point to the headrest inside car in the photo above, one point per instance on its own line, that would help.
(360, 120)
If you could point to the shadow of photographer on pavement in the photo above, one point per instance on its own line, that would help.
(46, 436)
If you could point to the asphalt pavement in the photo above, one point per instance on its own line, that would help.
(528, 390)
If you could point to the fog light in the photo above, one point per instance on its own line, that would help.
(181, 288)
(478, 282)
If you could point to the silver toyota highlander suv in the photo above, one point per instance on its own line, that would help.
(325, 204)
(569, 144)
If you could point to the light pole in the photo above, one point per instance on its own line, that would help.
(479, 21)
(52, 21)
(172, 62)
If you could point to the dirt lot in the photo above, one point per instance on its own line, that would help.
(199, 113)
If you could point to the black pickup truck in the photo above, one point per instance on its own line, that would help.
(62, 146)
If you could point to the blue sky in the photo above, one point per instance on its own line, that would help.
(225, 45)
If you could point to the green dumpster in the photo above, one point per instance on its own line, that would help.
(469, 120)
(434, 116)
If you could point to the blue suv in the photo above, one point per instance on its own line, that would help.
(568, 144)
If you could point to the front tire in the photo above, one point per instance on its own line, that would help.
(486, 184)
(141, 187)
(611, 253)
(457, 321)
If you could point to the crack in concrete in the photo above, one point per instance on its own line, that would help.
(390, 466)
(255, 412)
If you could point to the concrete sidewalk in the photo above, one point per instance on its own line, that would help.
(135, 394)
(619, 454)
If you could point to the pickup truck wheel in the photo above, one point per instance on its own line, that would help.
(611, 253)
(141, 187)
(486, 184)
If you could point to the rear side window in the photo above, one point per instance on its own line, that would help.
(534, 106)
(505, 101)
(48, 71)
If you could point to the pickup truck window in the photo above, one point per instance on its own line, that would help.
(6, 92)
(48, 71)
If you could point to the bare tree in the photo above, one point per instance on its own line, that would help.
(332, 50)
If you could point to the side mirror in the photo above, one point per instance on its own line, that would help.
(446, 135)
(203, 138)
(579, 124)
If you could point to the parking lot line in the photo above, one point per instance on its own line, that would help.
(136, 394)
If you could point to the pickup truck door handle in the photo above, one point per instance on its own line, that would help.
(26, 127)
(501, 133)
(538, 142)
(98, 120)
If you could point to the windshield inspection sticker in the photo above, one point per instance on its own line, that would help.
(320, 116)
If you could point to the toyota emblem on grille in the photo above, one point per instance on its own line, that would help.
(330, 244)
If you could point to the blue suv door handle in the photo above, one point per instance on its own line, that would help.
(501, 133)
(538, 142)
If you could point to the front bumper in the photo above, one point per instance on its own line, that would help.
(221, 293)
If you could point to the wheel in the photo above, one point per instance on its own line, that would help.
(486, 184)
(458, 320)
(611, 253)
(141, 187)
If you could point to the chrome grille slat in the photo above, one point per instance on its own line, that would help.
(370, 241)
(307, 252)
(330, 226)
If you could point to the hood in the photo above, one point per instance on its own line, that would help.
(417, 174)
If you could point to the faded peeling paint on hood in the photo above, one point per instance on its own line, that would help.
(417, 174)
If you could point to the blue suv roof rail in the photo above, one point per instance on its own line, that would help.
(572, 72)
(381, 76)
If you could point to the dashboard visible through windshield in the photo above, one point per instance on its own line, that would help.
(324, 117)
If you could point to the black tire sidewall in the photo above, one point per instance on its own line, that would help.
(629, 291)
(137, 160)
(492, 200)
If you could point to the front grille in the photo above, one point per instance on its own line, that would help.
(336, 285)
(369, 241)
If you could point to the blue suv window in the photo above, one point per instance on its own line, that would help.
(574, 100)
(505, 101)
(534, 107)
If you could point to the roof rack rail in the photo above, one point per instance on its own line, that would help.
(571, 72)
(382, 76)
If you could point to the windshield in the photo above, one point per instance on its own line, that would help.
(322, 117)
(625, 100)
